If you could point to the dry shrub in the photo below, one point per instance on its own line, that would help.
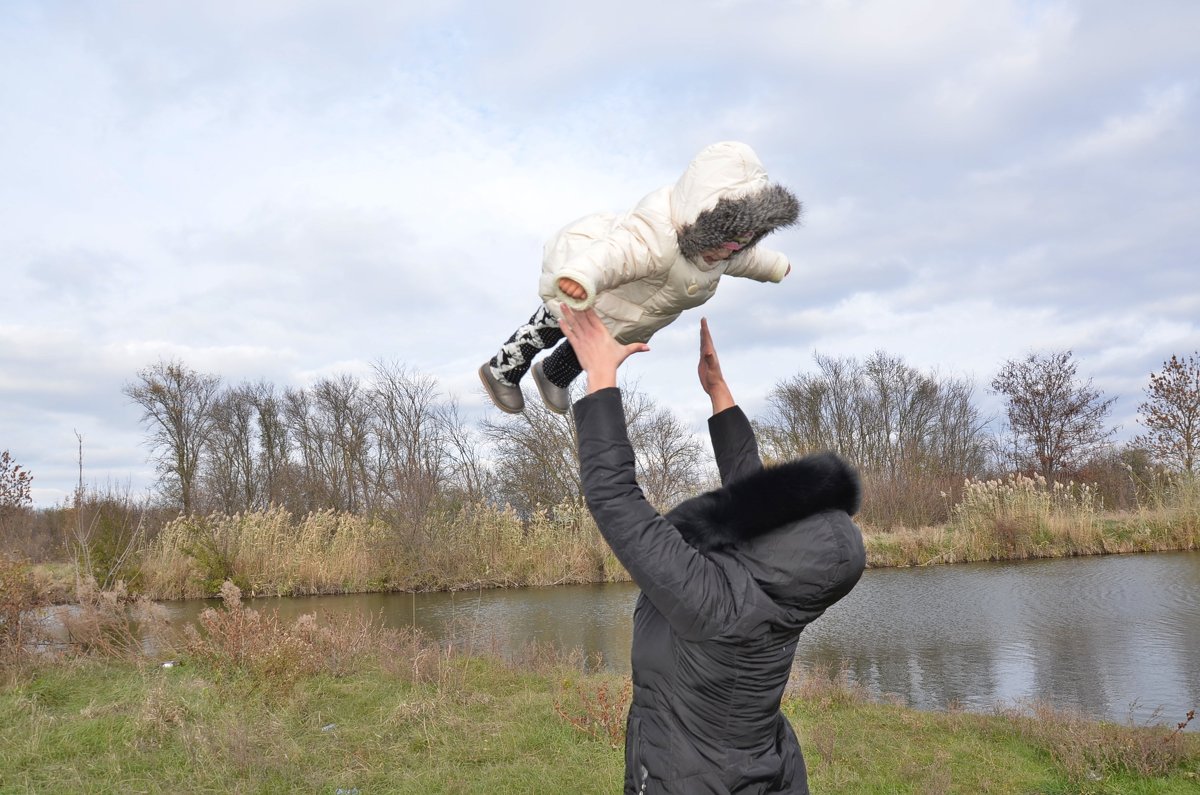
(911, 547)
(482, 545)
(1088, 750)
(1175, 498)
(906, 500)
(547, 658)
(160, 716)
(20, 601)
(408, 655)
(597, 710)
(112, 624)
(237, 639)
(473, 545)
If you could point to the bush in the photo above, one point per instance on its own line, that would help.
(240, 640)
(19, 601)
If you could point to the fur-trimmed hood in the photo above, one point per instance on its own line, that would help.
(767, 500)
(725, 194)
(761, 520)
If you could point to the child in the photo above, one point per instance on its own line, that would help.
(640, 270)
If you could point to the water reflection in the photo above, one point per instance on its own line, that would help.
(1115, 637)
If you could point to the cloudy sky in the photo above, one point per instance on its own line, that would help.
(287, 190)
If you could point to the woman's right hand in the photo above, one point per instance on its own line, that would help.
(598, 351)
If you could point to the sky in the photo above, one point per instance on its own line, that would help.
(282, 191)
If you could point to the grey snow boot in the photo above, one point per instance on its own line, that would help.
(555, 397)
(507, 397)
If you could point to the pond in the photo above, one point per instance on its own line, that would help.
(1115, 637)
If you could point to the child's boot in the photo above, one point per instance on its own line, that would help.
(555, 397)
(507, 397)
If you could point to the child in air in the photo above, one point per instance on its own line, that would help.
(640, 270)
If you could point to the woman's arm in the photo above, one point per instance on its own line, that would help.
(732, 437)
(689, 589)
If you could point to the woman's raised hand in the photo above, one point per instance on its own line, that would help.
(712, 380)
(598, 352)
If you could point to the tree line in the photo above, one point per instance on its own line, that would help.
(394, 450)
(394, 443)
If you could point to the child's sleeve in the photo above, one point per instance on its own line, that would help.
(760, 264)
(620, 257)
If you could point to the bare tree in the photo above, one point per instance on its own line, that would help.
(1056, 421)
(343, 404)
(15, 499)
(537, 463)
(231, 464)
(669, 457)
(467, 473)
(273, 446)
(883, 414)
(535, 458)
(330, 428)
(1171, 414)
(177, 410)
(15, 484)
(411, 431)
(815, 411)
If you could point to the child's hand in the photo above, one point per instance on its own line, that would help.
(598, 351)
(572, 288)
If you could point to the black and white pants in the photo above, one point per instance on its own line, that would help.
(541, 332)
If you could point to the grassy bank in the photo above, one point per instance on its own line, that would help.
(254, 705)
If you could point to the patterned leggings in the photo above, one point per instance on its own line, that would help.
(542, 331)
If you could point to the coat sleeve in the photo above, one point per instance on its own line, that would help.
(690, 590)
(617, 258)
(760, 264)
(734, 444)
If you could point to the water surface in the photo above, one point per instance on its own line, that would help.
(1116, 637)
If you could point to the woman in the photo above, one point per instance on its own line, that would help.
(728, 581)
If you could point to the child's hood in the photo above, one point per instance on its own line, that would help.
(725, 194)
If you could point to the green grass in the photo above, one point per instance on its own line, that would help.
(478, 726)
(102, 728)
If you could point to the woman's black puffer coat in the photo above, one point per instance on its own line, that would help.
(728, 581)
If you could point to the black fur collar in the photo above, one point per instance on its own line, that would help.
(768, 499)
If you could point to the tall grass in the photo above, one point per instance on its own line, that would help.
(1025, 517)
(1021, 517)
(470, 546)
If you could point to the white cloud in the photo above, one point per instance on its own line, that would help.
(1119, 134)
